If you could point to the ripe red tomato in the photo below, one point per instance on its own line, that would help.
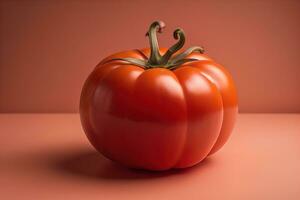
(145, 110)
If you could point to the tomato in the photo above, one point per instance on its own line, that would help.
(145, 110)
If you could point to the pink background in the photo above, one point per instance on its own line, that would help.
(48, 48)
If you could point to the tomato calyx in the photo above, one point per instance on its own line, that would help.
(168, 60)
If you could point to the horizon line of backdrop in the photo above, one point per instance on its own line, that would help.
(48, 48)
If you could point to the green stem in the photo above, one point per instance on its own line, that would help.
(155, 56)
(187, 52)
(165, 61)
(134, 61)
(178, 34)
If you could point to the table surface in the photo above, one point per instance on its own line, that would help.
(47, 156)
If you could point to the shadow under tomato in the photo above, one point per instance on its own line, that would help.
(91, 164)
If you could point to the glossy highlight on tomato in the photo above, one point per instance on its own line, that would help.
(145, 110)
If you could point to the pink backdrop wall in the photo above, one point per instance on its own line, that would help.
(47, 48)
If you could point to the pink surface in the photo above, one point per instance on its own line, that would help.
(46, 156)
(49, 47)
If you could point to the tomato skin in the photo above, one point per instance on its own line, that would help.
(158, 119)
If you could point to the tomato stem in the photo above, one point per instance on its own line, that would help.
(178, 34)
(167, 60)
(155, 56)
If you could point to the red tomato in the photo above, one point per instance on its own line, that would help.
(149, 111)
